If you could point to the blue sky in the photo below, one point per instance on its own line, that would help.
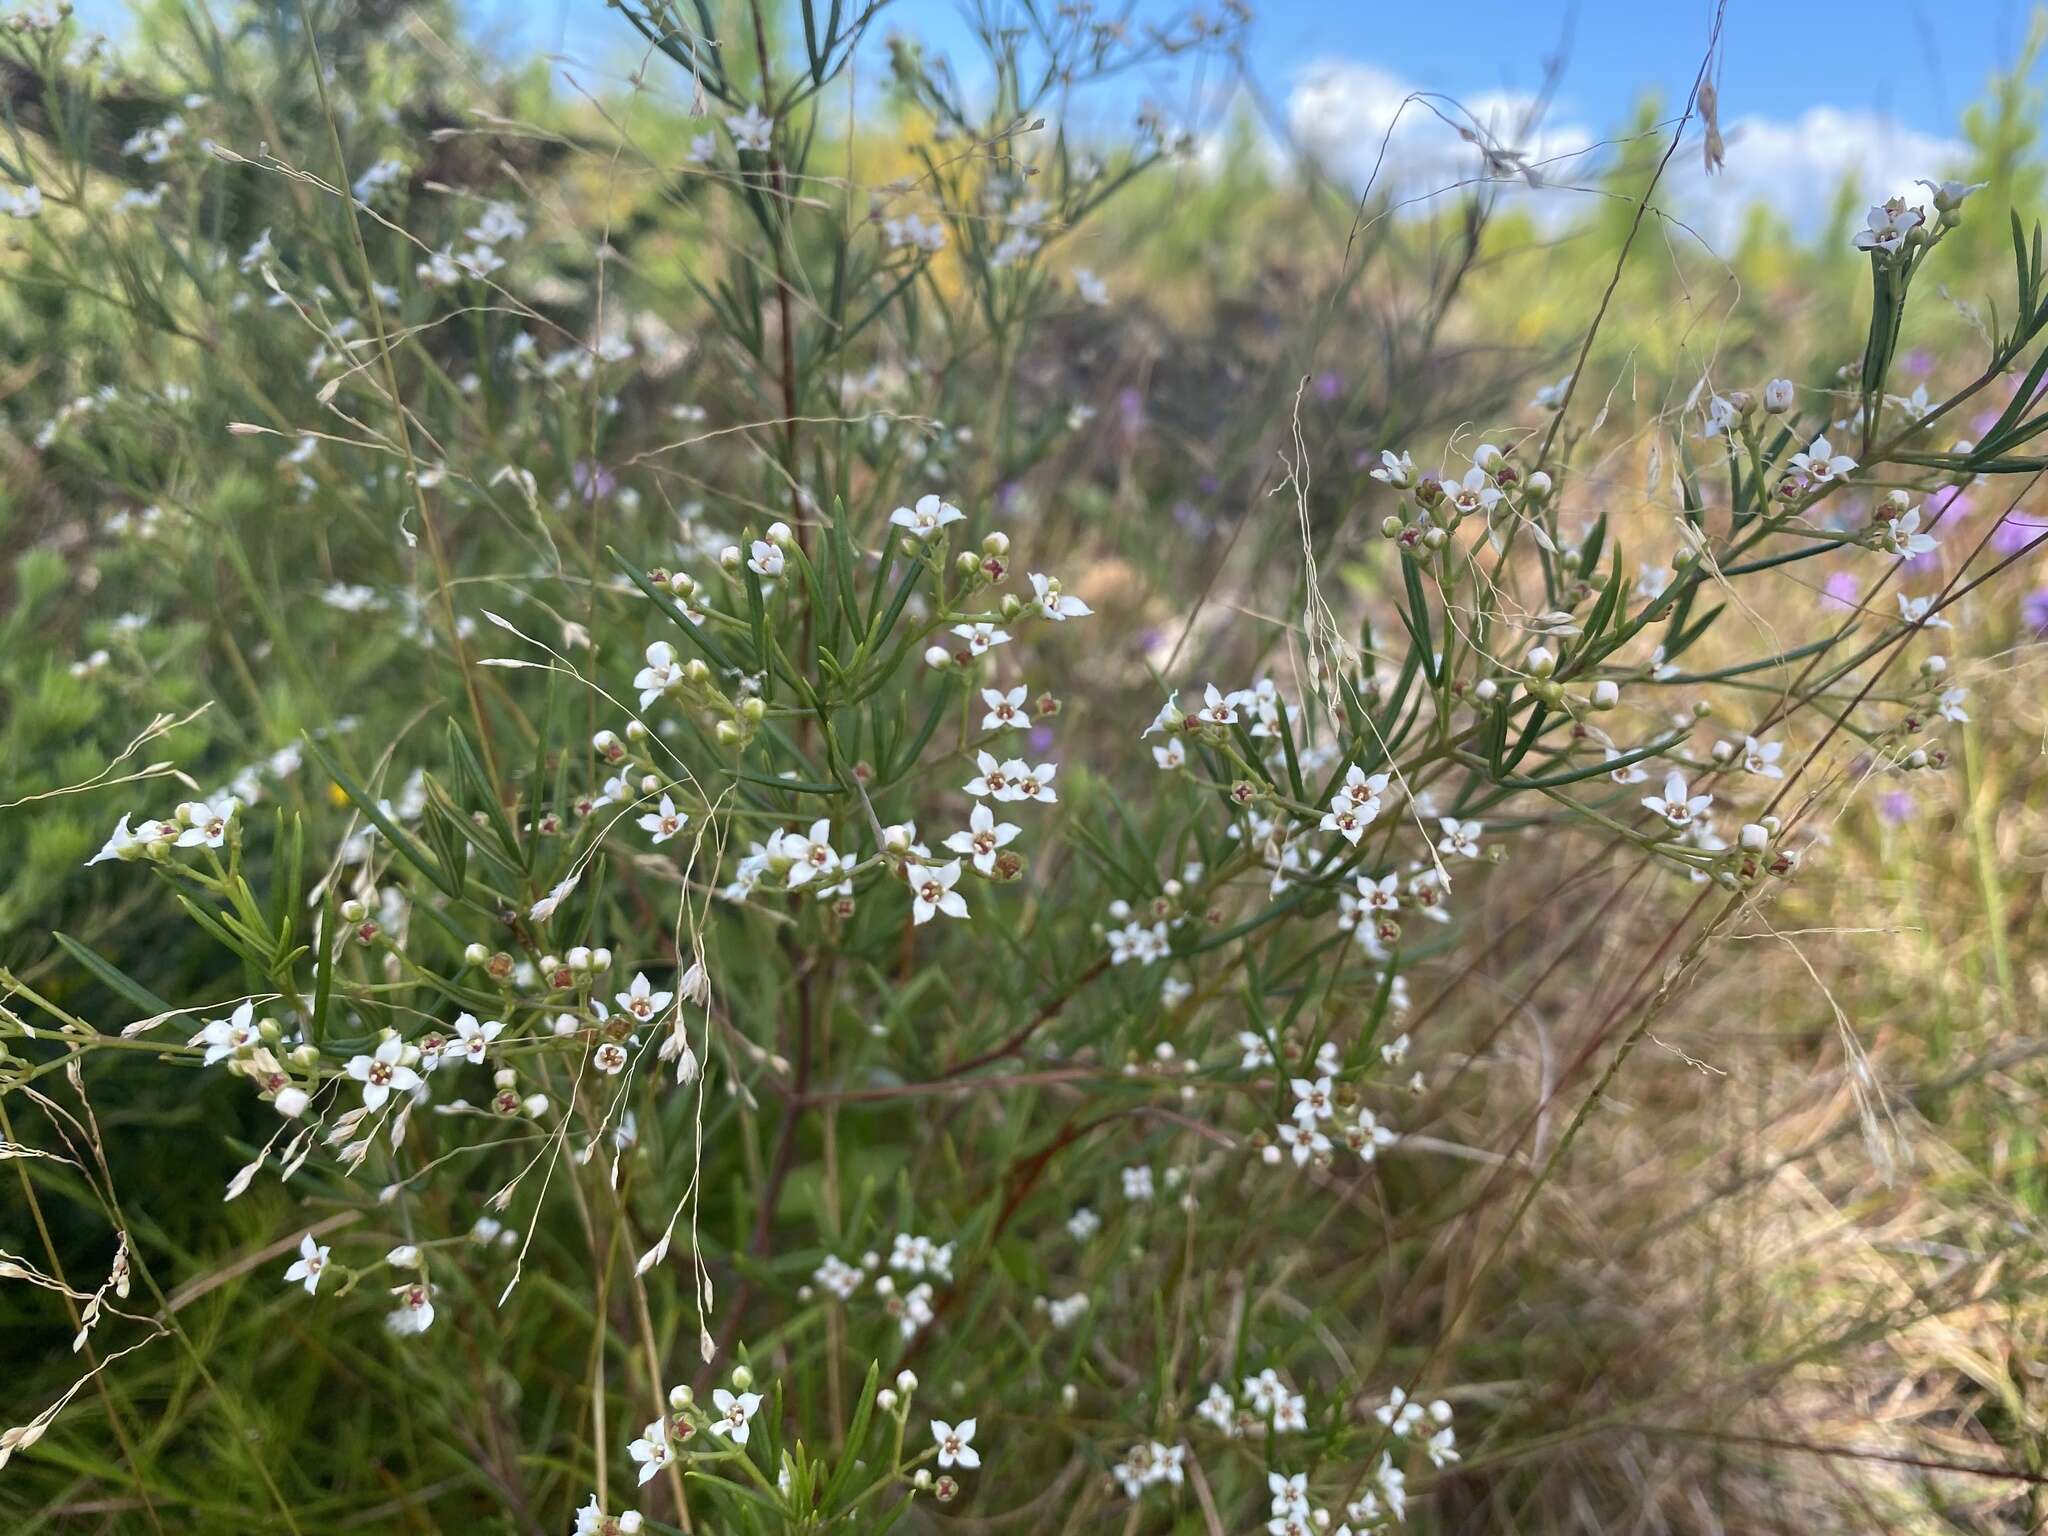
(1919, 61)
(1813, 92)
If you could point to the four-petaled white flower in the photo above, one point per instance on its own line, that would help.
(1475, 493)
(610, 1058)
(1311, 1099)
(471, 1039)
(224, 1037)
(993, 780)
(1820, 463)
(1902, 536)
(810, 856)
(1461, 838)
(984, 835)
(1029, 783)
(1054, 604)
(382, 1071)
(981, 638)
(1888, 225)
(929, 515)
(1303, 1141)
(765, 559)
(1218, 708)
(1950, 706)
(641, 1000)
(1006, 711)
(955, 1444)
(665, 821)
(205, 825)
(734, 1410)
(650, 1450)
(309, 1266)
(1395, 469)
(1761, 757)
(751, 130)
(1674, 805)
(1918, 611)
(931, 890)
(659, 675)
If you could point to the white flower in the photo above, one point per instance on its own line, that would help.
(650, 1450)
(1674, 805)
(928, 517)
(734, 1410)
(641, 1000)
(1171, 756)
(984, 835)
(1290, 1494)
(415, 1312)
(1395, 469)
(1949, 195)
(593, 1521)
(224, 1037)
(1820, 463)
(1778, 396)
(1915, 611)
(955, 1447)
(1257, 1053)
(382, 1071)
(1311, 1099)
(981, 638)
(1761, 757)
(1951, 704)
(1304, 1141)
(750, 130)
(25, 203)
(1092, 289)
(1083, 1224)
(931, 891)
(1888, 225)
(1006, 711)
(809, 856)
(610, 1058)
(765, 559)
(1052, 603)
(659, 675)
(664, 822)
(309, 1266)
(1902, 536)
(1461, 838)
(1218, 708)
(1137, 1183)
(471, 1039)
(1029, 783)
(1475, 493)
(204, 825)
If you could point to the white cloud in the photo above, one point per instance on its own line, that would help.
(1797, 168)
(1347, 114)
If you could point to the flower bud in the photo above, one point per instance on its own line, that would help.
(1537, 487)
(1539, 662)
(1778, 396)
(291, 1102)
(1486, 690)
(1391, 526)
(730, 557)
(938, 658)
(996, 544)
(754, 708)
(742, 1378)
(353, 911)
(886, 1399)
(1606, 693)
(1756, 837)
(1487, 457)
(727, 733)
(680, 1398)
(906, 1381)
